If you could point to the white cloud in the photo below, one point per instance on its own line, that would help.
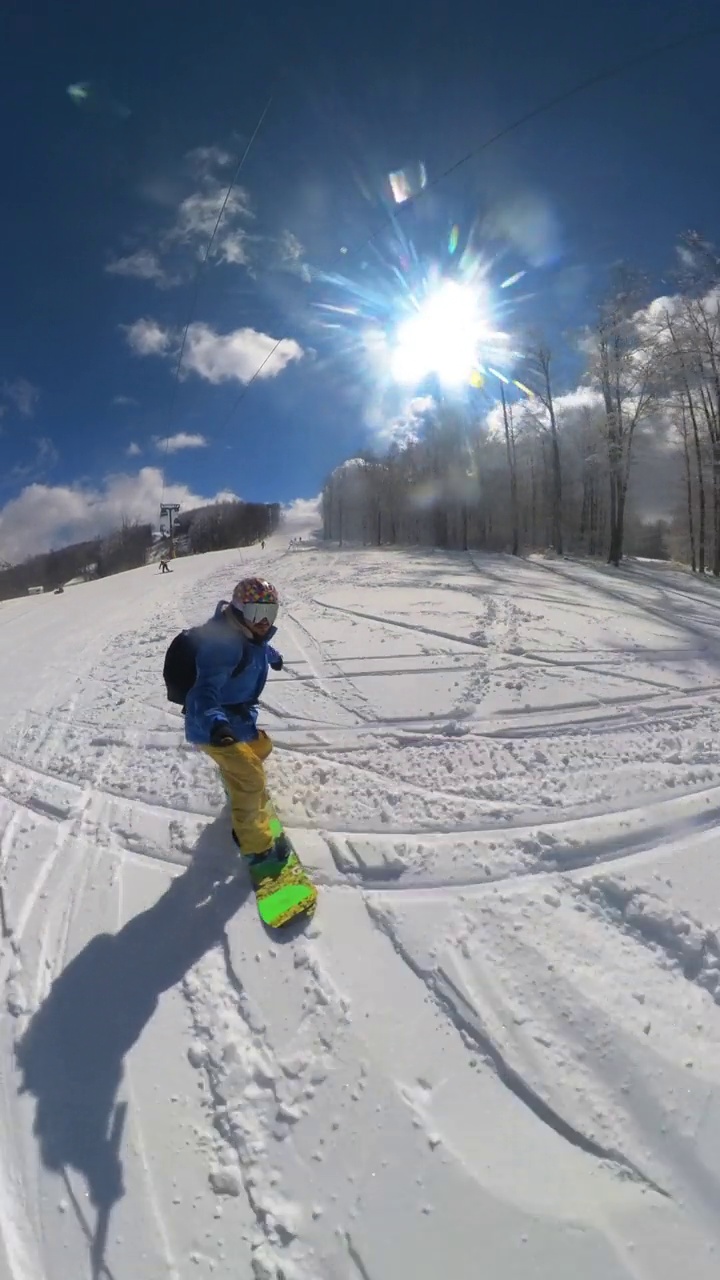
(202, 160)
(232, 248)
(133, 450)
(289, 254)
(409, 423)
(218, 357)
(143, 264)
(222, 357)
(47, 454)
(303, 513)
(577, 400)
(289, 247)
(43, 516)
(182, 440)
(571, 409)
(148, 338)
(198, 214)
(124, 401)
(193, 222)
(22, 394)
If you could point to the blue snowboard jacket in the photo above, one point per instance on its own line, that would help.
(218, 694)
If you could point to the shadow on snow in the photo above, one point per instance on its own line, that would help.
(71, 1055)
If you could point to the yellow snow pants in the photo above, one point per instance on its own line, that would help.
(243, 775)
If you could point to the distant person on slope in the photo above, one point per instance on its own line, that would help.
(232, 661)
(164, 566)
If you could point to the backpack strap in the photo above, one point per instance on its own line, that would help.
(243, 663)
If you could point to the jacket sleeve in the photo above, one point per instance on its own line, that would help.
(213, 667)
(274, 658)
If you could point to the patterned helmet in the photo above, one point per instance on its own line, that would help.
(256, 599)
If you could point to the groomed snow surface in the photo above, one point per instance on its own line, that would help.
(494, 1052)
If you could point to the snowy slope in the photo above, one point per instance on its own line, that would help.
(496, 1050)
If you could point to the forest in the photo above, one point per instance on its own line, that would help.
(566, 469)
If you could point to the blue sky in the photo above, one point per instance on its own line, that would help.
(109, 198)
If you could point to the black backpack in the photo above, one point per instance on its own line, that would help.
(179, 667)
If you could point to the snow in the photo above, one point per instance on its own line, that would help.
(495, 1049)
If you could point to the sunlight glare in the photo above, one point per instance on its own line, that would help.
(442, 337)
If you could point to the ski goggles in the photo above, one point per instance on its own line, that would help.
(263, 611)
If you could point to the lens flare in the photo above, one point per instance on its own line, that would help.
(444, 336)
(406, 183)
(91, 97)
(424, 311)
(512, 280)
(521, 387)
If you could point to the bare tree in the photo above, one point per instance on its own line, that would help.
(543, 356)
(124, 549)
(683, 429)
(682, 377)
(624, 370)
(512, 468)
(702, 317)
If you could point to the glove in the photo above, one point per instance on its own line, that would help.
(221, 735)
(277, 663)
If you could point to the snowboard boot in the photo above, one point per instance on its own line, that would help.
(278, 853)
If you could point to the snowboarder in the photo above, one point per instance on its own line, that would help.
(231, 662)
(262, 545)
(164, 566)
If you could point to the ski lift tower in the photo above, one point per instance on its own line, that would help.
(168, 509)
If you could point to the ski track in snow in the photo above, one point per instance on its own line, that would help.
(504, 1021)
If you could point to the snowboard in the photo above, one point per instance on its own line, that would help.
(283, 889)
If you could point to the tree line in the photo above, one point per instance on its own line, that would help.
(219, 526)
(557, 469)
(226, 524)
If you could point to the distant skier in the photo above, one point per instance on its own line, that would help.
(164, 566)
(231, 661)
(262, 545)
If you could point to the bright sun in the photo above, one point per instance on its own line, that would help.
(443, 336)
